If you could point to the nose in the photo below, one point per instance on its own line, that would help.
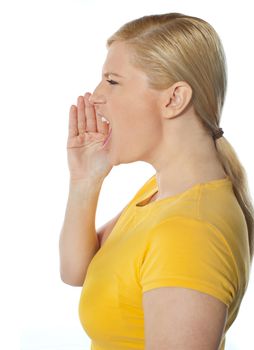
(96, 98)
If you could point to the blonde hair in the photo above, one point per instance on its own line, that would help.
(175, 47)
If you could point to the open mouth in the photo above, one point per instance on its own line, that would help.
(108, 137)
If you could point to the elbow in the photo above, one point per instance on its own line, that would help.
(72, 280)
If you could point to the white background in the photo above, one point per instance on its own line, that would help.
(52, 52)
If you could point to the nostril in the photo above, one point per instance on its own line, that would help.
(95, 99)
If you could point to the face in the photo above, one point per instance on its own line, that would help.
(131, 107)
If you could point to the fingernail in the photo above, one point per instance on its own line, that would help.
(86, 97)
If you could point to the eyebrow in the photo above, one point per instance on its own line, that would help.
(112, 73)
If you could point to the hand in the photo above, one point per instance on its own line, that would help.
(86, 157)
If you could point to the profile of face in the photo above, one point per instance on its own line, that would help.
(124, 98)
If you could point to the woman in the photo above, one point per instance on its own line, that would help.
(170, 270)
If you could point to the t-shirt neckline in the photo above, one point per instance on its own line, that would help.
(144, 201)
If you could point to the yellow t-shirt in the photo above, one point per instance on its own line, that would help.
(197, 239)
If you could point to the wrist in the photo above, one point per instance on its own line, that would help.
(86, 185)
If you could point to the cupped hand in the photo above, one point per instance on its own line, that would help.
(86, 157)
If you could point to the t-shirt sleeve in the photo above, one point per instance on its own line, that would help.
(189, 253)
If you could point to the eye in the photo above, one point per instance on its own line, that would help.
(112, 82)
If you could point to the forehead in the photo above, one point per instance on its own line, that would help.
(118, 60)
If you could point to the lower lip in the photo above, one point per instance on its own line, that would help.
(107, 139)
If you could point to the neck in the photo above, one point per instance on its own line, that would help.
(190, 165)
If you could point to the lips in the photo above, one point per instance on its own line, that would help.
(103, 118)
(107, 138)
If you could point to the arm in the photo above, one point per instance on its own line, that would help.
(78, 241)
(188, 279)
(182, 318)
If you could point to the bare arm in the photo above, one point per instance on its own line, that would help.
(78, 239)
(88, 164)
(183, 318)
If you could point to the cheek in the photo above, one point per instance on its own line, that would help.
(136, 121)
(147, 124)
(142, 131)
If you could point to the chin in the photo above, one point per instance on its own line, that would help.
(116, 158)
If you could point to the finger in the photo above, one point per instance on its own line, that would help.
(81, 115)
(73, 124)
(91, 122)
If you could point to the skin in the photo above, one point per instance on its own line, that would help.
(157, 127)
(196, 320)
(162, 129)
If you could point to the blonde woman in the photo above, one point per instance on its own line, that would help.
(171, 269)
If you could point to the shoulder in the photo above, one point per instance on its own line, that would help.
(188, 283)
(186, 230)
(189, 253)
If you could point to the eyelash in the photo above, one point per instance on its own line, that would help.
(112, 82)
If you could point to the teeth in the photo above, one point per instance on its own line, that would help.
(103, 119)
